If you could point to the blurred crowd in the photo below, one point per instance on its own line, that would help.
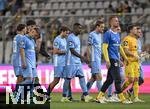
(50, 24)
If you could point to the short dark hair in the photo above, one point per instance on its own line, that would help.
(130, 27)
(20, 27)
(64, 28)
(98, 23)
(30, 22)
(76, 25)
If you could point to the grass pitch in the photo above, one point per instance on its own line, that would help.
(56, 104)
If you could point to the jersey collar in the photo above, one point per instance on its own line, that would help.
(112, 31)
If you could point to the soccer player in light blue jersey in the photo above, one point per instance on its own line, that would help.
(40, 48)
(16, 59)
(73, 63)
(59, 51)
(94, 55)
(28, 60)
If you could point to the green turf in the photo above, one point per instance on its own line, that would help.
(56, 104)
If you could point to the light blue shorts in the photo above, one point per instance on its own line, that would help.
(72, 71)
(17, 70)
(29, 72)
(59, 71)
(95, 67)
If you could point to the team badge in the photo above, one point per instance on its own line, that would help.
(125, 43)
(22, 43)
(70, 43)
(90, 39)
(56, 44)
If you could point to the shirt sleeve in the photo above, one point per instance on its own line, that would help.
(22, 42)
(90, 39)
(71, 42)
(56, 43)
(125, 43)
(106, 38)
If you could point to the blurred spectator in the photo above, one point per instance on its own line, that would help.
(18, 4)
(119, 9)
(126, 7)
(110, 9)
(3, 4)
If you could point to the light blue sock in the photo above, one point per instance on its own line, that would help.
(110, 88)
(66, 87)
(99, 85)
(89, 84)
(83, 86)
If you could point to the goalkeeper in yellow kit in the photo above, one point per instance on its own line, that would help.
(130, 46)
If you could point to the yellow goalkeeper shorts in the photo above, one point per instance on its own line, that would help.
(132, 70)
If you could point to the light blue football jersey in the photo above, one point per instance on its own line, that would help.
(29, 45)
(16, 59)
(61, 44)
(94, 40)
(73, 41)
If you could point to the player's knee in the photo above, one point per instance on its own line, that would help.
(131, 80)
(19, 79)
(92, 78)
(98, 77)
(56, 80)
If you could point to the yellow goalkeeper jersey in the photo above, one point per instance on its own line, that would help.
(131, 44)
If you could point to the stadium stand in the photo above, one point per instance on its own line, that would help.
(50, 14)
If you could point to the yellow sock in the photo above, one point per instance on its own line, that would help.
(125, 85)
(121, 97)
(100, 95)
(136, 89)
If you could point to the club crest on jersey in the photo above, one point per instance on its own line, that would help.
(70, 43)
(55, 44)
(22, 43)
(125, 43)
(90, 39)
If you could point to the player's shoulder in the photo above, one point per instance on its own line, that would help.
(127, 38)
(92, 33)
(108, 32)
(71, 36)
(57, 38)
(18, 36)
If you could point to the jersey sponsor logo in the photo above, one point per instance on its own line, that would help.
(116, 44)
